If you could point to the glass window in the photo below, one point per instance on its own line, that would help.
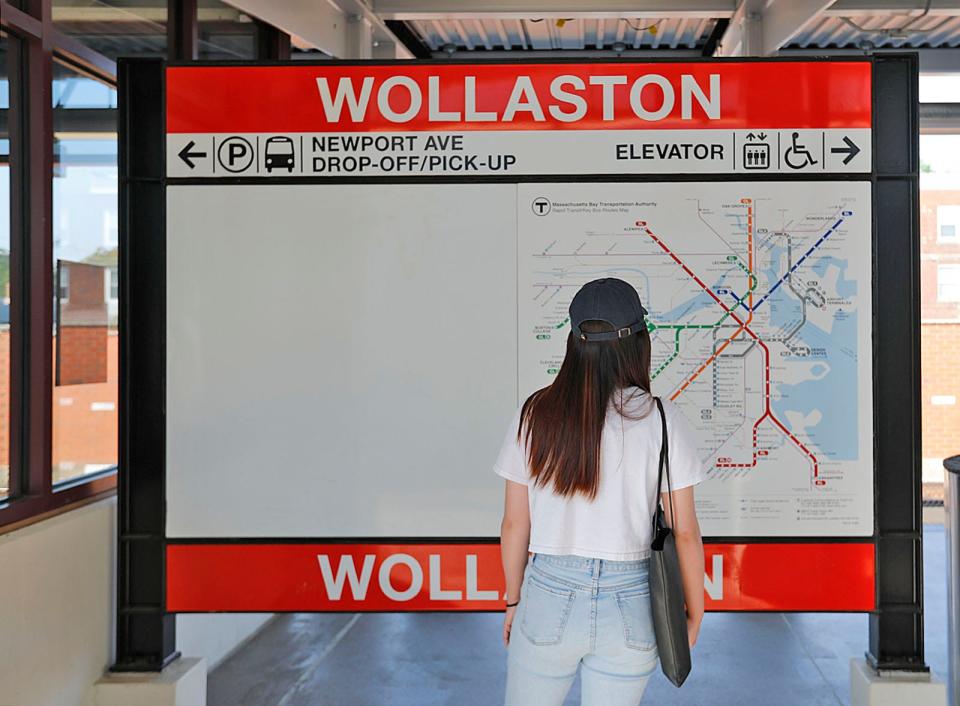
(948, 283)
(948, 223)
(85, 258)
(6, 46)
(115, 27)
(224, 33)
(939, 224)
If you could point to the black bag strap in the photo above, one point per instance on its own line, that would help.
(664, 466)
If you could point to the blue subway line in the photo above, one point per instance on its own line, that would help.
(791, 270)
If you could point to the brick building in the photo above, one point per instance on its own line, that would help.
(940, 319)
(85, 361)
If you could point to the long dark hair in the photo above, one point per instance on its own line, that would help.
(562, 423)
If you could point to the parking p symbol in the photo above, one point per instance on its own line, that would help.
(235, 154)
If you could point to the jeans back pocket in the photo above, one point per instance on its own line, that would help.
(636, 612)
(545, 610)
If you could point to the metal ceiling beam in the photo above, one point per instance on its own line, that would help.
(743, 36)
(527, 9)
(914, 7)
(758, 28)
(409, 39)
(484, 55)
(150, 15)
(379, 32)
(348, 29)
(784, 19)
(719, 29)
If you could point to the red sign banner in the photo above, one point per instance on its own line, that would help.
(542, 96)
(255, 577)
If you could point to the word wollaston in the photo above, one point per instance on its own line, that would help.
(563, 98)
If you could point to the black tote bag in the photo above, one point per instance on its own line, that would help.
(666, 585)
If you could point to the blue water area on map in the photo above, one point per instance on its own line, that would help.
(833, 390)
(845, 287)
(833, 394)
(685, 309)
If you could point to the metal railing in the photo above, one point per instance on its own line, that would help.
(952, 519)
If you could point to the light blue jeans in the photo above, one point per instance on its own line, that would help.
(577, 611)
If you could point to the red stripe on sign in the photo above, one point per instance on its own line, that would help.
(455, 577)
(408, 97)
(333, 577)
(805, 577)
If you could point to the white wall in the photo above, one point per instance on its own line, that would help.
(216, 635)
(57, 606)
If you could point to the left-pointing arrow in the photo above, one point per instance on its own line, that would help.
(187, 156)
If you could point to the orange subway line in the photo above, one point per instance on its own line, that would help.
(743, 325)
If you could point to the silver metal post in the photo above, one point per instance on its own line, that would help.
(951, 504)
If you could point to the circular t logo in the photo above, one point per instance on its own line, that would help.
(541, 206)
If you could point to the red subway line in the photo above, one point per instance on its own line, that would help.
(744, 326)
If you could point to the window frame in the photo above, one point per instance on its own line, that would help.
(955, 269)
(954, 210)
(32, 495)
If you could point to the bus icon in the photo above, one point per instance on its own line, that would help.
(278, 154)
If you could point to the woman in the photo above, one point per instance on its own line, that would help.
(580, 462)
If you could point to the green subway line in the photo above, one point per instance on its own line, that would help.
(676, 352)
(680, 327)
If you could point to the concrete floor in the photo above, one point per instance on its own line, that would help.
(449, 659)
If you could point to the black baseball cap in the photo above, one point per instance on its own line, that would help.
(611, 300)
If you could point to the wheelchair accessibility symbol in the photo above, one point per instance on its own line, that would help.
(797, 156)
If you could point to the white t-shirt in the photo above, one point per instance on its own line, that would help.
(617, 524)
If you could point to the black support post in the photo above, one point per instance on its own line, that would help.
(146, 634)
(406, 36)
(182, 30)
(896, 627)
(272, 43)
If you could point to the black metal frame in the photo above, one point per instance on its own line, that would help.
(408, 38)
(272, 43)
(182, 30)
(146, 633)
(896, 626)
(896, 636)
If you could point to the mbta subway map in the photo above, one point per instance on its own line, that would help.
(759, 300)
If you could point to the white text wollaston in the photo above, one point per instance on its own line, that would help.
(346, 571)
(336, 578)
(565, 101)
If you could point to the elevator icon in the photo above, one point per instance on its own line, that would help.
(756, 155)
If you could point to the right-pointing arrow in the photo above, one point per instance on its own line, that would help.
(851, 150)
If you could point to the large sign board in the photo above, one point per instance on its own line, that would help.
(368, 267)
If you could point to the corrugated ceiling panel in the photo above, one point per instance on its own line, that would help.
(467, 34)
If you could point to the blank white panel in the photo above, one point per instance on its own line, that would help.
(341, 360)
